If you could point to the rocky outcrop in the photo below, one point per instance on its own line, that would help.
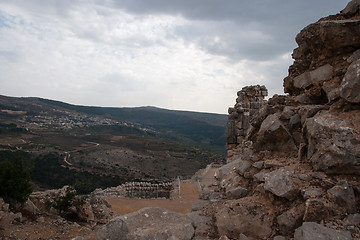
(250, 216)
(95, 209)
(310, 230)
(148, 223)
(302, 150)
(333, 141)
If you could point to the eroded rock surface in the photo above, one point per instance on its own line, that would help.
(148, 223)
(302, 149)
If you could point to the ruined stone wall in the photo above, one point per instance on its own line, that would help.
(294, 160)
(250, 99)
(138, 190)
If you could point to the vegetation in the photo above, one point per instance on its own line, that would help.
(49, 173)
(15, 180)
(11, 128)
(65, 204)
(108, 146)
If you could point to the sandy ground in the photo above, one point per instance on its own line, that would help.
(54, 228)
(182, 203)
(189, 193)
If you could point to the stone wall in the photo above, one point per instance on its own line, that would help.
(138, 190)
(248, 103)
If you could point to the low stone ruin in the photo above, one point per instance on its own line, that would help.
(138, 190)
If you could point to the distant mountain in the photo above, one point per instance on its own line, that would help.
(203, 129)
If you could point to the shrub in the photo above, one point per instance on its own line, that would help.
(67, 204)
(15, 180)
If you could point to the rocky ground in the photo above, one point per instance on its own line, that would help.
(293, 161)
(36, 221)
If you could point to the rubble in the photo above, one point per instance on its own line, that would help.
(302, 149)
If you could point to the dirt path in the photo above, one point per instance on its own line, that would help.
(182, 203)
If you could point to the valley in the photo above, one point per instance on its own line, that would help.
(103, 150)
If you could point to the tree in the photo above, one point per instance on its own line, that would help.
(15, 180)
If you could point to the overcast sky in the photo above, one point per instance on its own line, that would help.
(176, 54)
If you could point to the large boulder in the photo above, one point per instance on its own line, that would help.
(202, 224)
(249, 216)
(312, 231)
(274, 136)
(317, 209)
(146, 224)
(237, 164)
(291, 219)
(322, 73)
(323, 44)
(101, 209)
(334, 142)
(350, 86)
(281, 183)
(344, 196)
(236, 193)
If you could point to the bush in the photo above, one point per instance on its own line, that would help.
(15, 180)
(67, 204)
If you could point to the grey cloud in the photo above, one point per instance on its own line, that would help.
(237, 43)
(121, 82)
(9, 55)
(238, 10)
(231, 19)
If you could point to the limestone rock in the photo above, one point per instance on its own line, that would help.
(274, 136)
(236, 193)
(3, 206)
(30, 208)
(351, 8)
(233, 180)
(260, 177)
(258, 165)
(148, 223)
(18, 218)
(279, 238)
(311, 193)
(350, 86)
(280, 183)
(202, 224)
(209, 194)
(334, 142)
(199, 205)
(101, 209)
(352, 219)
(249, 216)
(322, 73)
(291, 219)
(327, 41)
(312, 231)
(316, 210)
(238, 164)
(243, 237)
(344, 195)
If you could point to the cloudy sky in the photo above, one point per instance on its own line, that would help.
(176, 54)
